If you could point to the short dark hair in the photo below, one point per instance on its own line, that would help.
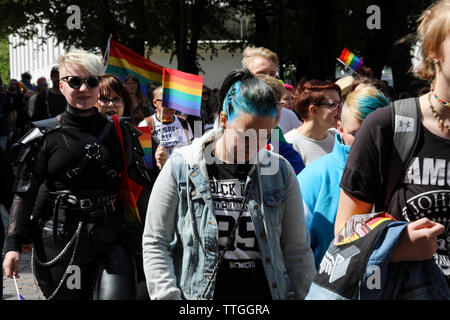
(311, 92)
(54, 71)
(26, 76)
(110, 83)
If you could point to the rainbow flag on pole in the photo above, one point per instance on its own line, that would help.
(182, 91)
(146, 143)
(122, 61)
(351, 60)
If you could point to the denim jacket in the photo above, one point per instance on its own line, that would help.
(180, 240)
(383, 280)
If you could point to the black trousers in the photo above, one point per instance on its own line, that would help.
(99, 271)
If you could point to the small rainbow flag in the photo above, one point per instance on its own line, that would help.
(350, 59)
(146, 143)
(26, 86)
(182, 91)
(122, 61)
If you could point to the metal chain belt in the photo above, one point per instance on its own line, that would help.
(52, 262)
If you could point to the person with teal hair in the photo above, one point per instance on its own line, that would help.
(319, 182)
(227, 219)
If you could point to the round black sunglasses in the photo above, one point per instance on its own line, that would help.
(76, 82)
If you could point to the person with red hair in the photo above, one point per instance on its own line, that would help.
(319, 105)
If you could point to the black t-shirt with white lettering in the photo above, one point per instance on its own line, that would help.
(241, 274)
(425, 191)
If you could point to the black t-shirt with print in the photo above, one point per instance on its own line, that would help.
(425, 191)
(241, 274)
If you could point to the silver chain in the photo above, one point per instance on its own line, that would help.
(52, 262)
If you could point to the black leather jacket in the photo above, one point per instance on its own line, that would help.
(26, 201)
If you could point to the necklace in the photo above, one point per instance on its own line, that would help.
(443, 103)
(442, 123)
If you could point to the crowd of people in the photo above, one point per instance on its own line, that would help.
(288, 192)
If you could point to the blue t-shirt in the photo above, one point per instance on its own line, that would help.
(319, 185)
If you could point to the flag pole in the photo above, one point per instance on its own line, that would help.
(162, 105)
(106, 55)
(19, 296)
(354, 72)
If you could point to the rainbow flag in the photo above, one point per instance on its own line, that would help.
(122, 61)
(351, 60)
(26, 86)
(182, 91)
(146, 143)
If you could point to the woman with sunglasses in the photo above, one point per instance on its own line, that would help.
(70, 171)
(319, 105)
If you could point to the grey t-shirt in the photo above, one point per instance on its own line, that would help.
(310, 149)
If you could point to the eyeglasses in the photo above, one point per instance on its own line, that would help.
(332, 105)
(76, 82)
(117, 101)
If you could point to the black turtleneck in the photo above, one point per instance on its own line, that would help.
(64, 148)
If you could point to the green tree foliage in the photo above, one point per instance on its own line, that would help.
(175, 26)
(4, 60)
(306, 34)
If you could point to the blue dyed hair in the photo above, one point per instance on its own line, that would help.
(366, 100)
(245, 93)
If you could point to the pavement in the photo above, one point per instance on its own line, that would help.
(26, 285)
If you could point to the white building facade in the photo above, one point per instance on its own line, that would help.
(33, 57)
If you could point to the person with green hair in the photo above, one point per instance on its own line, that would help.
(319, 182)
(227, 219)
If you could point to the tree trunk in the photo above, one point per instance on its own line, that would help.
(319, 62)
(190, 18)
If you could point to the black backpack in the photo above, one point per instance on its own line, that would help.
(405, 115)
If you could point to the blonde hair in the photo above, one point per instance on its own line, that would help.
(364, 101)
(158, 90)
(86, 60)
(274, 84)
(432, 31)
(250, 52)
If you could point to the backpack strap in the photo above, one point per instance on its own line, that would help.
(405, 115)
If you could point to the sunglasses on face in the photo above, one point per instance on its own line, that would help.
(117, 101)
(76, 82)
